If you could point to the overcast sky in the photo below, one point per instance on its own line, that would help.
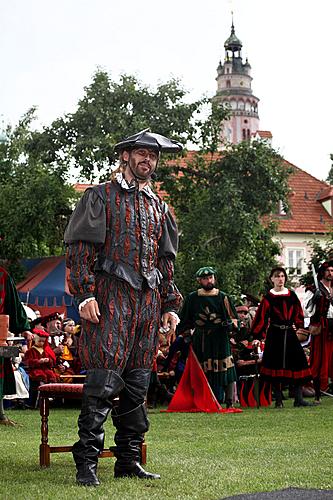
(51, 48)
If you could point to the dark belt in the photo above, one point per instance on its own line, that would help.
(282, 327)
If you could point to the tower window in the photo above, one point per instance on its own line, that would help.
(244, 134)
(248, 133)
(228, 83)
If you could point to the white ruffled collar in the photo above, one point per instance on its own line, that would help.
(129, 187)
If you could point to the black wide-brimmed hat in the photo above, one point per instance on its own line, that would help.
(148, 139)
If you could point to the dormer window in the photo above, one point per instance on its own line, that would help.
(281, 208)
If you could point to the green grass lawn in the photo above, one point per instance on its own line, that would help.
(199, 456)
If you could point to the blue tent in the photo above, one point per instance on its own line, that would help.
(45, 287)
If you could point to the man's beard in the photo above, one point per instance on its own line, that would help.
(208, 287)
(142, 176)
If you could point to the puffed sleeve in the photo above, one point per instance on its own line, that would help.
(85, 232)
(88, 221)
(261, 320)
(186, 315)
(168, 246)
(298, 312)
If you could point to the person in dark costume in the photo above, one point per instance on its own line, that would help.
(318, 306)
(278, 318)
(121, 246)
(10, 305)
(211, 313)
(245, 357)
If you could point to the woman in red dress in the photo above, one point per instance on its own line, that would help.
(278, 318)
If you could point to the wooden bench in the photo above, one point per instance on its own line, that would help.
(69, 391)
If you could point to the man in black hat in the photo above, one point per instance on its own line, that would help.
(211, 315)
(318, 306)
(121, 246)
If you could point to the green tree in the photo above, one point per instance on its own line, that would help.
(108, 112)
(223, 202)
(35, 200)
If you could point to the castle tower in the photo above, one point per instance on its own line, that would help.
(234, 90)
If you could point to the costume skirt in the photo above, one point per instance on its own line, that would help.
(284, 358)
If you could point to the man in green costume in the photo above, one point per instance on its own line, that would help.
(212, 315)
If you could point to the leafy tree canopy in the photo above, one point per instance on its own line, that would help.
(108, 112)
(35, 201)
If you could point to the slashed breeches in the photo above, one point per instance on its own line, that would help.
(126, 336)
(118, 354)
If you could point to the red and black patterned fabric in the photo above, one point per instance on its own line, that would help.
(126, 335)
(277, 317)
(254, 392)
(121, 246)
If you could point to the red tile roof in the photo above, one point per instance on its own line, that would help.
(265, 134)
(326, 194)
(307, 215)
(80, 188)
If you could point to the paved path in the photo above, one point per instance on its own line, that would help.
(287, 494)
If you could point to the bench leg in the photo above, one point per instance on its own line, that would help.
(143, 453)
(44, 448)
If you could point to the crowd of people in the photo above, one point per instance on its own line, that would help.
(48, 355)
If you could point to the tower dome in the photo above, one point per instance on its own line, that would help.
(233, 43)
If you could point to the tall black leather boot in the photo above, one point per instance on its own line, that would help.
(100, 387)
(131, 422)
(316, 386)
(278, 395)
